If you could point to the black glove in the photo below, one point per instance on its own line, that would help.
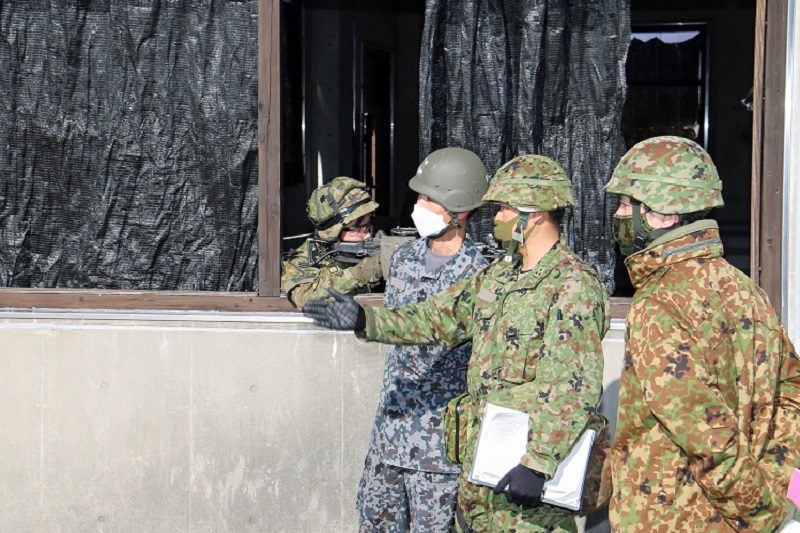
(525, 486)
(341, 313)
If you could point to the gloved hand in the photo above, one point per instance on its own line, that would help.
(368, 270)
(525, 486)
(341, 313)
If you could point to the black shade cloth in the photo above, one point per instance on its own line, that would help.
(511, 77)
(128, 144)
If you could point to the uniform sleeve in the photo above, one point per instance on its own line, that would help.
(295, 272)
(679, 390)
(390, 292)
(569, 374)
(789, 390)
(303, 283)
(444, 320)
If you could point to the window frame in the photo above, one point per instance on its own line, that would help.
(769, 83)
(767, 175)
(269, 221)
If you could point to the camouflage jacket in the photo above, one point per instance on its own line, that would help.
(536, 345)
(302, 282)
(709, 401)
(418, 381)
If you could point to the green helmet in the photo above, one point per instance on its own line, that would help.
(671, 175)
(454, 177)
(337, 203)
(531, 182)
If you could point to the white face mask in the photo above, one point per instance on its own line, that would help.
(428, 223)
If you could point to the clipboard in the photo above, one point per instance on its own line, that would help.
(502, 442)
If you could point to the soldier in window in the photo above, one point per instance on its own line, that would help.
(341, 211)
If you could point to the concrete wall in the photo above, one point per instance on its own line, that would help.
(120, 422)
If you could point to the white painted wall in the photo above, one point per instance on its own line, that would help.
(198, 422)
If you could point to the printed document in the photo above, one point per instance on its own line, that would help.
(502, 442)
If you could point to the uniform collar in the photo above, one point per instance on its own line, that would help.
(695, 240)
(531, 278)
(467, 249)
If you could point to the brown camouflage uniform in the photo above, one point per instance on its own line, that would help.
(536, 347)
(709, 402)
(302, 282)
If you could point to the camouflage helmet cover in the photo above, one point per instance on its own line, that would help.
(337, 203)
(531, 181)
(671, 175)
(454, 177)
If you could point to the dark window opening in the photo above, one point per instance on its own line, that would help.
(690, 73)
(666, 74)
(355, 68)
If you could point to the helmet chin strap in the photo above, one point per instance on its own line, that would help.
(643, 238)
(452, 224)
(517, 238)
(453, 221)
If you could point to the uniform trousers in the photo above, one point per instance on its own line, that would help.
(392, 499)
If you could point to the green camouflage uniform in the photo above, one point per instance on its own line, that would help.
(709, 401)
(536, 347)
(302, 282)
(330, 207)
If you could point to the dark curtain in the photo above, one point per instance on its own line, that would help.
(128, 144)
(511, 77)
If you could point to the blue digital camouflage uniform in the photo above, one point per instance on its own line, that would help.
(536, 346)
(709, 400)
(406, 445)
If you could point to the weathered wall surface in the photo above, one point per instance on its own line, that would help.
(186, 422)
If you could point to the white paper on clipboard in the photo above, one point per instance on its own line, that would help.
(501, 444)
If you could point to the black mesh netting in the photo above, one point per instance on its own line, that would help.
(128, 144)
(510, 77)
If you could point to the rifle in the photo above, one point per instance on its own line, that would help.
(489, 251)
(355, 252)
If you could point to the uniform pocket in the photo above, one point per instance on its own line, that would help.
(456, 419)
(597, 485)
(485, 309)
(523, 340)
